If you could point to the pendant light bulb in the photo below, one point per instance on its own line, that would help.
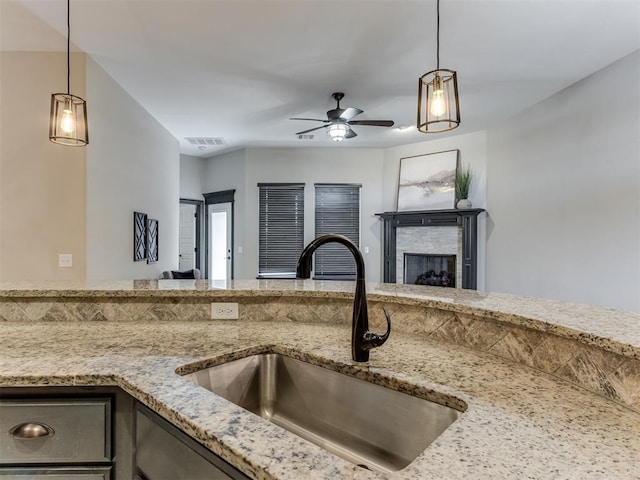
(438, 101)
(438, 106)
(68, 122)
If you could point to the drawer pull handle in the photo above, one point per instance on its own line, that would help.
(31, 430)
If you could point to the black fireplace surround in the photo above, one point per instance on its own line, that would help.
(466, 218)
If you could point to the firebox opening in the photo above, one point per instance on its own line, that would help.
(433, 270)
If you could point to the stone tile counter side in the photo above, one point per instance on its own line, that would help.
(552, 389)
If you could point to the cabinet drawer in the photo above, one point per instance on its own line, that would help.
(73, 431)
(58, 473)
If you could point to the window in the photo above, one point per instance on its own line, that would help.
(337, 211)
(281, 229)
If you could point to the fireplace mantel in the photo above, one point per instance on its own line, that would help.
(466, 218)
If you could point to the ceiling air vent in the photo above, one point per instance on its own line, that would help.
(305, 137)
(206, 141)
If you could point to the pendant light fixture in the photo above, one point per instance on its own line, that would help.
(438, 106)
(68, 120)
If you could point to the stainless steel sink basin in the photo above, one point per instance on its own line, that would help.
(370, 425)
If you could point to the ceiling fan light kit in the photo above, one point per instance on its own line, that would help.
(339, 121)
(338, 131)
(68, 118)
(438, 104)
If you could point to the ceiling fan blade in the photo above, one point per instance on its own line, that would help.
(372, 123)
(310, 130)
(349, 113)
(310, 119)
(351, 134)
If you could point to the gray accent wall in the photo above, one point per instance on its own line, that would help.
(561, 187)
(133, 164)
(227, 172)
(473, 153)
(192, 171)
(564, 194)
(318, 165)
(244, 169)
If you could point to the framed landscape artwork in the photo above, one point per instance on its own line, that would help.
(427, 182)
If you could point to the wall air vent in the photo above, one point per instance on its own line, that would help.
(206, 141)
(305, 137)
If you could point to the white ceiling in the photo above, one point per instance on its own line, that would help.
(238, 69)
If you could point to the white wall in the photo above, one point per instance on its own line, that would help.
(132, 165)
(473, 153)
(192, 170)
(564, 194)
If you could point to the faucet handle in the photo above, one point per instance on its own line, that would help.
(373, 340)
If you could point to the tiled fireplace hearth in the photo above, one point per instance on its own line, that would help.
(445, 254)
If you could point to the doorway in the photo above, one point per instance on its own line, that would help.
(219, 238)
(220, 248)
(189, 254)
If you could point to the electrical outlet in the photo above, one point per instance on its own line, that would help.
(224, 311)
(65, 260)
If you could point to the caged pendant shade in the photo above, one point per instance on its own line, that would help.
(68, 123)
(68, 118)
(438, 105)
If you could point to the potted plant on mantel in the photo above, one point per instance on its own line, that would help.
(464, 176)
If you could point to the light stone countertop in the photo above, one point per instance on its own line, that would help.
(520, 423)
(613, 330)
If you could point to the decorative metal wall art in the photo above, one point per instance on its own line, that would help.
(152, 241)
(139, 236)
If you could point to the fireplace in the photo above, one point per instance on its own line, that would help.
(427, 269)
(452, 232)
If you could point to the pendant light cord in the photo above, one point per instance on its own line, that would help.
(437, 34)
(68, 47)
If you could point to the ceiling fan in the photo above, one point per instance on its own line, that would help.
(339, 121)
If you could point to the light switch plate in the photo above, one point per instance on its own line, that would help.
(65, 260)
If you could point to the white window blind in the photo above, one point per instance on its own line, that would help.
(281, 229)
(337, 211)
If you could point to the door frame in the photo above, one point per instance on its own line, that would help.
(199, 213)
(211, 198)
(212, 210)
